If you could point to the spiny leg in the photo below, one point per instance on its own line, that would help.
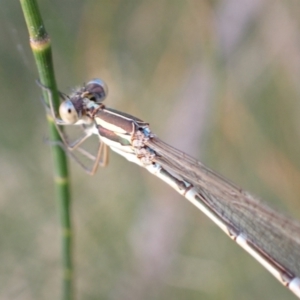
(100, 160)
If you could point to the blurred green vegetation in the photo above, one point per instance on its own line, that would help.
(217, 79)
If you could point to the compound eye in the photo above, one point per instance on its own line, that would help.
(68, 112)
(98, 89)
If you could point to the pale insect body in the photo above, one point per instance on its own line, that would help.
(269, 237)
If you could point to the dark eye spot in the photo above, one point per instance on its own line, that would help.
(69, 110)
(93, 98)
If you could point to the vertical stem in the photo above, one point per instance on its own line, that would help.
(41, 48)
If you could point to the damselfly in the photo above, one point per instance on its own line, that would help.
(269, 237)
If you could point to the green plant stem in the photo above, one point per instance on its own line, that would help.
(41, 48)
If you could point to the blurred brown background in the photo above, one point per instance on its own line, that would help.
(217, 79)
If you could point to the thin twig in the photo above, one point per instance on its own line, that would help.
(41, 48)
